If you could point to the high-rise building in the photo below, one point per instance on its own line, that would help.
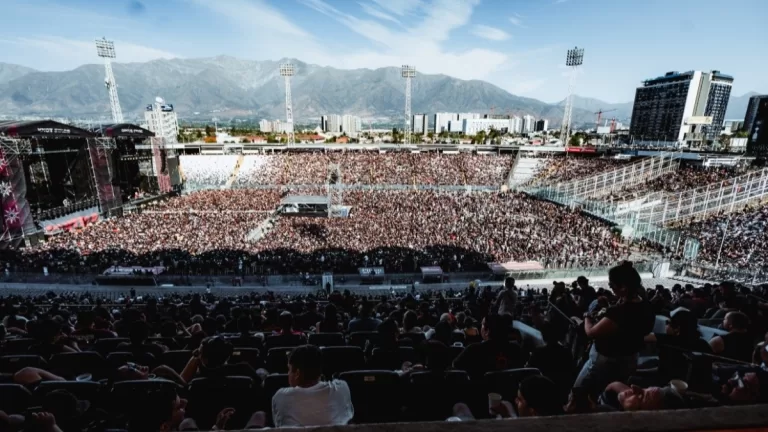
(684, 107)
(542, 125)
(757, 143)
(265, 126)
(473, 126)
(516, 125)
(749, 118)
(529, 123)
(351, 125)
(442, 121)
(419, 123)
(331, 123)
(161, 119)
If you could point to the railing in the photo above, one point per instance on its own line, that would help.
(612, 181)
(363, 187)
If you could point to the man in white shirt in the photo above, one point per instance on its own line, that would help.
(309, 401)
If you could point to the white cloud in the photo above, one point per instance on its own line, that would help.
(372, 11)
(400, 7)
(244, 13)
(517, 20)
(490, 33)
(67, 54)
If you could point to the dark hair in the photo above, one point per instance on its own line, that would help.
(244, 324)
(625, 276)
(509, 282)
(437, 355)
(309, 360)
(739, 320)
(686, 322)
(497, 330)
(216, 351)
(151, 410)
(541, 394)
(285, 321)
(550, 333)
(409, 320)
(139, 332)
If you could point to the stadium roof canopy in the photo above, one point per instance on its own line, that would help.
(124, 130)
(42, 129)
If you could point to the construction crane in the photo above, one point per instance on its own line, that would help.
(600, 115)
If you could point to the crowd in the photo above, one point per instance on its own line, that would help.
(207, 171)
(683, 180)
(567, 168)
(739, 239)
(399, 230)
(197, 361)
(368, 168)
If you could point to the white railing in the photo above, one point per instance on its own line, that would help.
(600, 185)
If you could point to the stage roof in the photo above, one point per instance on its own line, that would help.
(126, 130)
(432, 271)
(42, 129)
(305, 199)
(512, 266)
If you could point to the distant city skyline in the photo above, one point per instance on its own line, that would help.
(517, 45)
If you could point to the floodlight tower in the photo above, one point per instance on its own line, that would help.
(106, 50)
(573, 60)
(287, 70)
(407, 72)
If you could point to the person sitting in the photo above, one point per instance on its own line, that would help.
(285, 321)
(553, 360)
(245, 338)
(364, 320)
(681, 335)
(160, 410)
(494, 353)
(311, 317)
(309, 401)
(50, 339)
(330, 321)
(738, 344)
(212, 360)
(624, 397)
(139, 345)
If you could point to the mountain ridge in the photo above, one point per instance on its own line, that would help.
(229, 86)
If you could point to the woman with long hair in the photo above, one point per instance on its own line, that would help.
(618, 331)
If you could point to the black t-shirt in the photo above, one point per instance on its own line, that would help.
(555, 362)
(672, 361)
(738, 346)
(634, 320)
(487, 356)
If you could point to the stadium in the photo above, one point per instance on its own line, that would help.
(209, 274)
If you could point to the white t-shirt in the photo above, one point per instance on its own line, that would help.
(325, 403)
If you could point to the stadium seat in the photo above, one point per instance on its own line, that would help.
(342, 359)
(327, 339)
(247, 342)
(376, 395)
(15, 363)
(432, 395)
(391, 360)
(252, 356)
(359, 339)
(507, 382)
(284, 341)
(70, 365)
(208, 396)
(83, 390)
(108, 345)
(14, 398)
(125, 393)
(273, 383)
(117, 359)
(17, 346)
(176, 360)
(277, 359)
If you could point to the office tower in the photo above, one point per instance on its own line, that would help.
(749, 118)
(684, 107)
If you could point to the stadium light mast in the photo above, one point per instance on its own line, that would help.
(106, 50)
(287, 70)
(573, 60)
(407, 72)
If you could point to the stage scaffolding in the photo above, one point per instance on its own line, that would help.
(108, 193)
(159, 163)
(604, 184)
(15, 217)
(335, 188)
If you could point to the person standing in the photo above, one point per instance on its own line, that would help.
(618, 334)
(507, 300)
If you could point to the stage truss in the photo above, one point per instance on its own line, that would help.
(335, 186)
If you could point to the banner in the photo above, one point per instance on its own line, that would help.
(15, 218)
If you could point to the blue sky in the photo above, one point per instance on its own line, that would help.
(518, 45)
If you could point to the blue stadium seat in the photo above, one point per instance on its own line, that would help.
(208, 396)
(70, 365)
(277, 359)
(432, 395)
(14, 398)
(391, 359)
(342, 359)
(327, 339)
(15, 363)
(176, 360)
(507, 382)
(376, 395)
(359, 339)
(252, 356)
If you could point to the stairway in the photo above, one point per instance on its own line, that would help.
(235, 171)
(263, 229)
(524, 170)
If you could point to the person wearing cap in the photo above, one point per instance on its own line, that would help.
(625, 397)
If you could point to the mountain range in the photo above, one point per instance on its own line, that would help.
(225, 86)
